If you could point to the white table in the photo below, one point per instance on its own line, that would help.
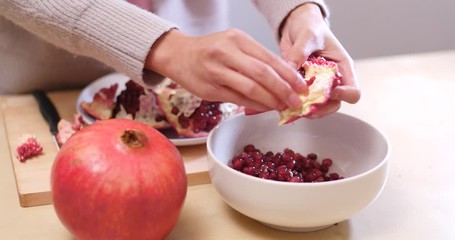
(409, 97)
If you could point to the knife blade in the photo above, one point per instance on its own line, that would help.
(49, 113)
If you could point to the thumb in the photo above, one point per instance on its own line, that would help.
(296, 56)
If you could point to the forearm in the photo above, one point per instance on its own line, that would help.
(277, 11)
(113, 32)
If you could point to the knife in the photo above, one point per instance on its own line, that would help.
(49, 113)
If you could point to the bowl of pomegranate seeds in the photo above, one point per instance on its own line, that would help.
(302, 176)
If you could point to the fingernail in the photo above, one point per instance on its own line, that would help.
(282, 107)
(301, 84)
(294, 100)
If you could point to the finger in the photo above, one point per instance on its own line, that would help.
(344, 62)
(251, 89)
(228, 95)
(255, 78)
(249, 111)
(346, 93)
(284, 71)
(332, 106)
(302, 48)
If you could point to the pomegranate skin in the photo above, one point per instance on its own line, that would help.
(110, 185)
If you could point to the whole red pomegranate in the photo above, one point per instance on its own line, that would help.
(118, 179)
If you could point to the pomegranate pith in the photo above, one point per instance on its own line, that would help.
(321, 77)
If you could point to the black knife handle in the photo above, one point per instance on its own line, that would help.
(47, 109)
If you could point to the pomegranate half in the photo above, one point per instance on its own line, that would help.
(118, 179)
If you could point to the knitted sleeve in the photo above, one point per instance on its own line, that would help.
(275, 11)
(114, 32)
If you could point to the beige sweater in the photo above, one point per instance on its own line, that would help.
(62, 44)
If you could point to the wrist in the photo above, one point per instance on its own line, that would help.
(310, 9)
(163, 51)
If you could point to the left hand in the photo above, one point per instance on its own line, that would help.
(305, 33)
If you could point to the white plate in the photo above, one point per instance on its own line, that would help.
(89, 91)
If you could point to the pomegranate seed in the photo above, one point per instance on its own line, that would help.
(288, 166)
(257, 156)
(175, 110)
(237, 163)
(315, 164)
(327, 162)
(317, 172)
(264, 175)
(296, 179)
(299, 157)
(334, 176)
(306, 163)
(312, 156)
(319, 179)
(28, 149)
(203, 119)
(184, 121)
(287, 157)
(310, 81)
(249, 148)
(249, 161)
(324, 168)
(248, 170)
(270, 165)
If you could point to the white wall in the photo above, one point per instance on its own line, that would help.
(243, 15)
(380, 27)
(370, 28)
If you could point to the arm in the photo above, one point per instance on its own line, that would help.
(113, 32)
(228, 66)
(277, 11)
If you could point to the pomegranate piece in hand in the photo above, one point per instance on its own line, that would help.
(321, 76)
(28, 148)
(103, 103)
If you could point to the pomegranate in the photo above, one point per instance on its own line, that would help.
(163, 106)
(286, 166)
(66, 129)
(118, 179)
(190, 115)
(321, 76)
(103, 103)
(140, 104)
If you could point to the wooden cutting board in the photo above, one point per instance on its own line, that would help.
(22, 117)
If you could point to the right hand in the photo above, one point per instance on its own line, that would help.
(227, 66)
(306, 33)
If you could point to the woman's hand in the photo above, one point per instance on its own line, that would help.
(306, 33)
(228, 66)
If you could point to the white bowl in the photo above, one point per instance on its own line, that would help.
(360, 153)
